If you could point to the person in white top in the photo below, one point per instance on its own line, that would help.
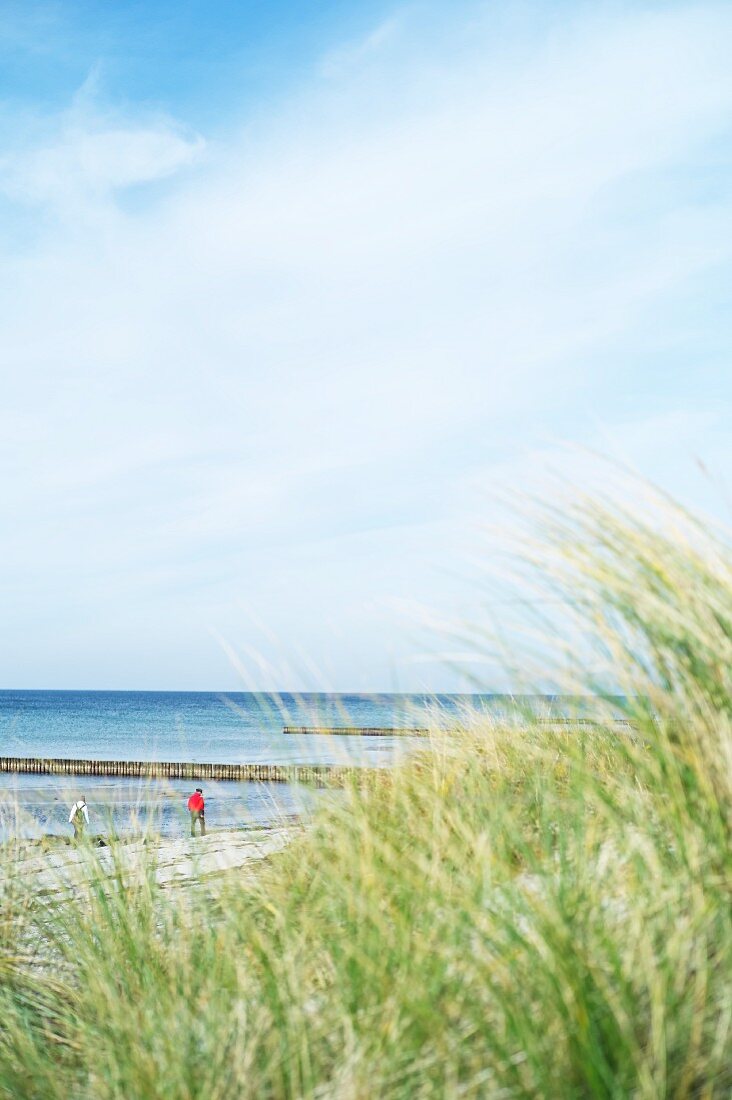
(79, 817)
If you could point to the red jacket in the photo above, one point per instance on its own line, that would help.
(196, 803)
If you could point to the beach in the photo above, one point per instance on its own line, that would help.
(61, 869)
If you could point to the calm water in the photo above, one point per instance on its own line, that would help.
(235, 728)
(196, 726)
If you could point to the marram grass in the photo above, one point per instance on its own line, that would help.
(518, 912)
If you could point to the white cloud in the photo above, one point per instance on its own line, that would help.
(345, 311)
(339, 62)
(84, 154)
(98, 161)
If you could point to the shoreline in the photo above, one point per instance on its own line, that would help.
(38, 812)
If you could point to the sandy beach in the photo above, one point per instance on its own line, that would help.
(178, 862)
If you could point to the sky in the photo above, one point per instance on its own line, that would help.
(292, 293)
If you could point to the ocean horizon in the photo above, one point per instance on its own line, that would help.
(215, 727)
(231, 727)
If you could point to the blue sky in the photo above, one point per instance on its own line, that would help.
(290, 293)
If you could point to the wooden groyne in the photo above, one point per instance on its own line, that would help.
(359, 731)
(405, 731)
(317, 774)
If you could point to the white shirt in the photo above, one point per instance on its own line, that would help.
(80, 805)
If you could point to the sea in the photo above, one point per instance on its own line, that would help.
(239, 727)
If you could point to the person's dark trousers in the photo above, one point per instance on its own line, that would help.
(197, 815)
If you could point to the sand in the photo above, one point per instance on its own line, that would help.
(178, 862)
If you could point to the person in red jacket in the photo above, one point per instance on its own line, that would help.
(196, 806)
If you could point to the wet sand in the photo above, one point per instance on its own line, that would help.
(34, 807)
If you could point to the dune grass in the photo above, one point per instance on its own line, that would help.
(519, 911)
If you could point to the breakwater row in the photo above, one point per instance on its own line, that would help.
(314, 774)
(358, 731)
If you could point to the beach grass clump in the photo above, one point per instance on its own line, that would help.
(520, 910)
